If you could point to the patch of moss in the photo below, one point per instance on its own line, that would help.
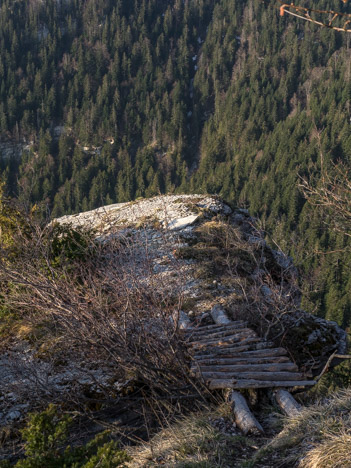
(197, 252)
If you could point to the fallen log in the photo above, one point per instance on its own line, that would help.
(287, 402)
(244, 419)
(233, 383)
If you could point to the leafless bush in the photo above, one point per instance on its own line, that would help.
(332, 194)
(105, 304)
(267, 282)
(268, 302)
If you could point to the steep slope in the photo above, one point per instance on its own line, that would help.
(92, 305)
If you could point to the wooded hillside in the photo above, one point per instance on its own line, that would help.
(123, 99)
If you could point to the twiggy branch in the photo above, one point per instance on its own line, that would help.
(326, 367)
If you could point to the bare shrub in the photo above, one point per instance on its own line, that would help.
(100, 301)
(267, 282)
(332, 194)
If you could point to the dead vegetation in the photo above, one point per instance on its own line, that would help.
(204, 439)
(318, 436)
(97, 316)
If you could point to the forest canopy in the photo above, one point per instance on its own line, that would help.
(105, 101)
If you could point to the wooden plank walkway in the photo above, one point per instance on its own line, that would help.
(231, 355)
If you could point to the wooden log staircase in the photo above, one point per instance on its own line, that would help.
(230, 355)
(233, 356)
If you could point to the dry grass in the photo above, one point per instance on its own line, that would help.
(319, 436)
(192, 442)
(334, 452)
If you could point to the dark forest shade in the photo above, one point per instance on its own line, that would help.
(157, 96)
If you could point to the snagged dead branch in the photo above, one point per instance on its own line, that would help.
(337, 21)
(328, 363)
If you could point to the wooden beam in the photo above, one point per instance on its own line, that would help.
(223, 345)
(225, 353)
(215, 327)
(233, 383)
(254, 375)
(263, 367)
(231, 349)
(220, 334)
(241, 352)
(226, 339)
(243, 360)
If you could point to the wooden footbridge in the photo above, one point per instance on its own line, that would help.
(229, 355)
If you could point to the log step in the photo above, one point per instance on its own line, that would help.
(251, 383)
(231, 355)
(230, 350)
(264, 376)
(241, 351)
(210, 336)
(216, 328)
(226, 339)
(243, 360)
(263, 367)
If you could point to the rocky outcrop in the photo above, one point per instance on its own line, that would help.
(173, 212)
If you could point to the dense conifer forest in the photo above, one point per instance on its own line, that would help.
(111, 100)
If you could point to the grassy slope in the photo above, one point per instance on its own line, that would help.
(320, 436)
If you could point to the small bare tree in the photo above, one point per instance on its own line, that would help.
(332, 194)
